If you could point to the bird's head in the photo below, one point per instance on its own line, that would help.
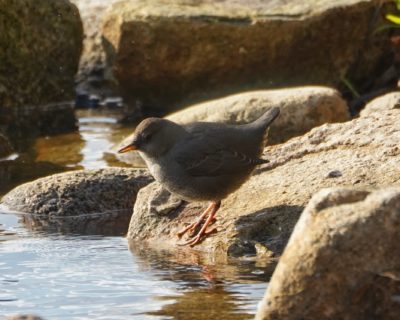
(154, 137)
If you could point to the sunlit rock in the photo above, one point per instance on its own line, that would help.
(263, 212)
(340, 262)
(85, 201)
(166, 54)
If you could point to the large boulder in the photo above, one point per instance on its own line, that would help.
(340, 262)
(165, 55)
(260, 216)
(86, 201)
(301, 110)
(40, 46)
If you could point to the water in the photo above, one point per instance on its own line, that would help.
(60, 276)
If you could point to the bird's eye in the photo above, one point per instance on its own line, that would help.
(147, 137)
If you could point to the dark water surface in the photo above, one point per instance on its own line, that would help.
(94, 277)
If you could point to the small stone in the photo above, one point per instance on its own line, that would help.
(334, 174)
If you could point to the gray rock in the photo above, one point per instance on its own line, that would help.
(167, 54)
(341, 261)
(265, 209)
(86, 201)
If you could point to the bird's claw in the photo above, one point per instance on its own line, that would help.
(198, 238)
(192, 228)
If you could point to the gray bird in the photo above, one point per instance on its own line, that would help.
(202, 161)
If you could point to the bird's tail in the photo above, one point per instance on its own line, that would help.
(267, 118)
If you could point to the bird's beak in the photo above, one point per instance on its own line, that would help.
(130, 147)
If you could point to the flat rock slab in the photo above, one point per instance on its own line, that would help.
(260, 216)
(340, 262)
(86, 201)
(302, 109)
(168, 54)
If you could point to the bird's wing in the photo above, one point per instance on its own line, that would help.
(205, 156)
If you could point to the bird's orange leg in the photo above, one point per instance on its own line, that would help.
(195, 240)
(195, 224)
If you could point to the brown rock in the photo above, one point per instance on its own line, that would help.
(169, 54)
(301, 110)
(340, 262)
(40, 46)
(263, 212)
(93, 60)
(86, 201)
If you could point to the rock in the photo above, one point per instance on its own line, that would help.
(388, 101)
(265, 209)
(92, 67)
(5, 146)
(86, 201)
(38, 65)
(340, 262)
(301, 110)
(166, 55)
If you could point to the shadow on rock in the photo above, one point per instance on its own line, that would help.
(265, 232)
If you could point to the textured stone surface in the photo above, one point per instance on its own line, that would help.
(92, 63)
(85, 201)
(362, 152)
(301, 110)
(40, 46)
(168, 54)
(388, 101)
(340, 262)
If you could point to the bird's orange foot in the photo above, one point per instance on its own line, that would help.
(198, 238)
(211, 210)
(193, 226)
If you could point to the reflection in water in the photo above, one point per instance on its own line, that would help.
(208, 290)
(96, 277)
(89, 148)
(63, 149)
(15, 172)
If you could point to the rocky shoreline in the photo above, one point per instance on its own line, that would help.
(326, 206)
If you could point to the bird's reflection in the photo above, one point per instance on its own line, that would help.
(208, 287)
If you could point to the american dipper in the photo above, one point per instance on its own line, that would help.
(201, 161)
